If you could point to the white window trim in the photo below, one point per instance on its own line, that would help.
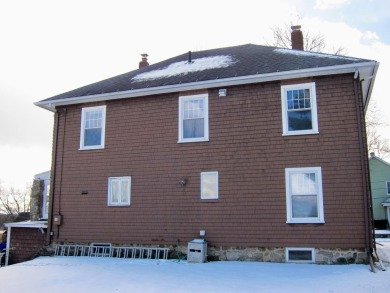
(206, 118)
(110, 179)
(313, 102)
(82, 130)
(318, 220)
(202, 196)
(387, 188)
(313, 254)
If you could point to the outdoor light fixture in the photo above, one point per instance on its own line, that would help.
(183, 182)
(222, 92)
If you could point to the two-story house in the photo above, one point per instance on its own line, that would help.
(380, 190)
(260, 149)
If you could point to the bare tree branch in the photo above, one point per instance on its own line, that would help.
(312, 43)
(13, 201)
(376, 143)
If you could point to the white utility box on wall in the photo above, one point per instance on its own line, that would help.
(197, 251)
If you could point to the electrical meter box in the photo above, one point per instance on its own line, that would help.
(197, 251)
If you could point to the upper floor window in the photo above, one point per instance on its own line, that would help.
(304, 195)
(209, 185)
(193, 118)
(93, 121)
(119, 190)
(299, 109)
(388, 187)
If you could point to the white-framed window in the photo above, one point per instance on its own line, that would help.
(388, 187)
(93, 122)
(209, 185)
(304, 196)
(119, 191)
(300, 255)
(299, 109)
(193, 118)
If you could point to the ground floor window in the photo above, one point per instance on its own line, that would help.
(304, 195)
(119, 191)
(209, 185)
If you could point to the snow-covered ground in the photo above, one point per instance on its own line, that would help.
(85, 274)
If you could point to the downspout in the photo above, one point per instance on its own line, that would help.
(62, 168)
(53, 178)
(365, 174)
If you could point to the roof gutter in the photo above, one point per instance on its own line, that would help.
(365, 70)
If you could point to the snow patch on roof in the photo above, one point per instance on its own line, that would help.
(184, 67)
(313, 54)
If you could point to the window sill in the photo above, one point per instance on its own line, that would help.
(193, 140)
(300, 133)
(92, 148)
(209, 199)
(305, 222)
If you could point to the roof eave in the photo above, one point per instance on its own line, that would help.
(367, 70)
(27, 224)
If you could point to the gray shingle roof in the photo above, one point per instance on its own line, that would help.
(245, 60)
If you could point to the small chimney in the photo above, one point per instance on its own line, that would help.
(296, 38)
(144, 61)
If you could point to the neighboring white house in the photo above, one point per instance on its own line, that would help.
(45, 176)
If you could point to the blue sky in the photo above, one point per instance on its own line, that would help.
(50, 47)
(365, 15)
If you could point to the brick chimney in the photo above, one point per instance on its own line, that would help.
(144, 61)
(296, 38)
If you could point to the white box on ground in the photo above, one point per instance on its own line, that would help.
(197, 251)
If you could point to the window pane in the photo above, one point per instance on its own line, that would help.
(115, 187)
(303, 183)
(388, 187)
(93, 119)
(125, 191)
(193, 128)
(92, 136)
(299, 120)
(304, 206)
(210, 185)
(300, 255)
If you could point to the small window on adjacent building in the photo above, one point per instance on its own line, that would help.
(388, 187)
(209, 185)
(303, 255)
(299, 109)
(193, 118)
(93, 120)
(119, 191)
(304, 195)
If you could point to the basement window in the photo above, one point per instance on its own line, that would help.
(300, 255)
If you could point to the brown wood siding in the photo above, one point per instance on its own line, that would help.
(26, 244)
(246, 147)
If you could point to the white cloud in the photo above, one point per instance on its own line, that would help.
(369, 38)
(330, 4)
(20, 164)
